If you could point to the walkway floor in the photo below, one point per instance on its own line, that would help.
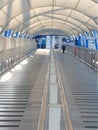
(21, 96)
(81, 90)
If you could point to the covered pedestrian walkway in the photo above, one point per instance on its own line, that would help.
(42, 88)
(25, 98)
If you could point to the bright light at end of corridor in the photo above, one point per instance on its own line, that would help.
(97, 62)
(18, 67)
(42, 52)
(6, 77)
(24, 62)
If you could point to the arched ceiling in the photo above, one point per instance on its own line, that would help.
(49, 16)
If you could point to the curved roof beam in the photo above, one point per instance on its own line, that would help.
(63, 20)
(47, 21)
(34, 29)
(65, 30)
(35, 32)
(66, 8)
(56, 27)
(63, 8)
(95, 1)
(78, 28)
(53, 31)
(8, 2)
(54, 13)
(66, 24)
(80, 22)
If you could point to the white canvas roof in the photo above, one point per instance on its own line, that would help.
(49, 16)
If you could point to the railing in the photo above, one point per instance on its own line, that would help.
(13, 50)
(88, 56)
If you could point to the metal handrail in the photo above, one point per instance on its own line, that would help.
(12, 50)
(88, 56)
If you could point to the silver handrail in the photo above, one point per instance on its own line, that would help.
(88, 56)
(13, 50)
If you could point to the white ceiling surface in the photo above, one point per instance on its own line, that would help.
(49, 16)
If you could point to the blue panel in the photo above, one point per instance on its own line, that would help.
(95, 34)
(86, 43)
(16, 34)
(78, 41)
(91, 43)
(41, 41)
(8, 33)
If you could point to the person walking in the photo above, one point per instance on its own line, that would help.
(64, 45)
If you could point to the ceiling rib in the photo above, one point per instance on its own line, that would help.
(40, 13)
